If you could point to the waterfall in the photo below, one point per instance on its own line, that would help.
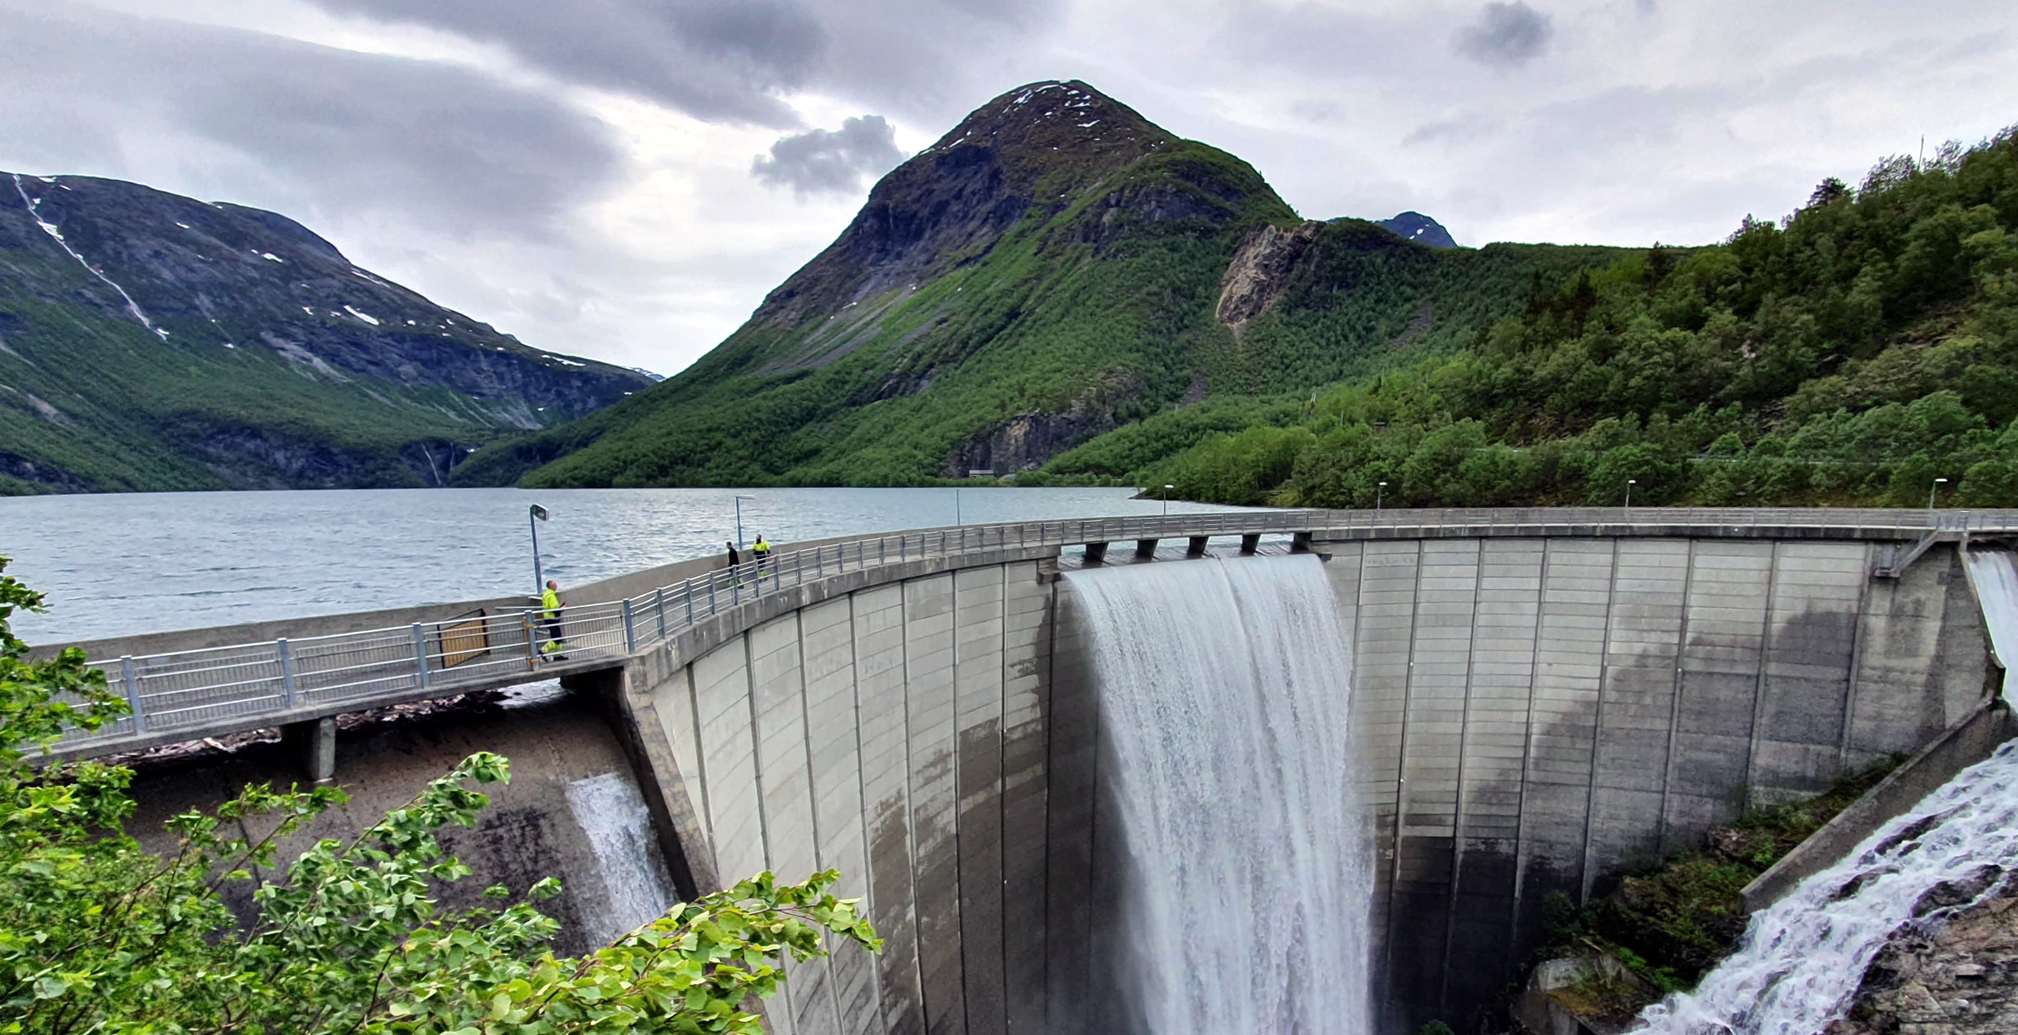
(636, 890)
(1803, 958)
(1223, 689)
(1994, 573)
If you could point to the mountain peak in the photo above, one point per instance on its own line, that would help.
(1035, 147)
(1039, 127)
(1419, 228)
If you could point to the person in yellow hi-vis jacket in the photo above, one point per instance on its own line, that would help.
(763, 551)
(550, 617)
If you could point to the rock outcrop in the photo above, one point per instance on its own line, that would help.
(1957, 975)
(1259, 269)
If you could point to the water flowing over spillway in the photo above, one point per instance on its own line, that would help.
(1995, 574)
(1224, 688)
(1803, 958)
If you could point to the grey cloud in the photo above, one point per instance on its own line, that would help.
(1506, 35)
(317, 129)
(714, 59)
(1321, 41)
(830, 160)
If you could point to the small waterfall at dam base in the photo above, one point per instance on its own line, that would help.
(1224, 690)
(1994, 572)
(1804, 957)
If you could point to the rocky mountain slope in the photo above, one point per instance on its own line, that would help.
(1421, 229)
(151, 341)
(1054, 267)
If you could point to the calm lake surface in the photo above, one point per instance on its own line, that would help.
(116, 564)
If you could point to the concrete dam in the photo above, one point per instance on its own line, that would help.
(1536, 701)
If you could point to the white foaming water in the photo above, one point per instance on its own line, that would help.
(1995, 573)
(1802, 959)
(612, 813)
(1224, 688)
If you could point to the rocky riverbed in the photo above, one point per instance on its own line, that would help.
(1946, 975)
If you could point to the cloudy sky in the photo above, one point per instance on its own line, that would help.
(625, 179)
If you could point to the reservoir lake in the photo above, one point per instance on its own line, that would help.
(127, 563)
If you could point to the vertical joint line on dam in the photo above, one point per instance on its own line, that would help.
(1463, 734)
(1857, 652)
(812, 775)
(1584, 876)
(1401, 760)
(1675, 702)
(862, 791)
(707, 817)
(1759, 686)
(1528, 747)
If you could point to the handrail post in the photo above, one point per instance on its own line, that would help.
(630, 633)
(711, 592)
(532, 653)
(690, 599)
(132, 692)
(660, 606)
(286, 668)
(420, 652)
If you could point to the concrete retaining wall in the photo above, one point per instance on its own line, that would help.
(572, 810)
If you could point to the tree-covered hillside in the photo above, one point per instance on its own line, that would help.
(1054, 267)
(1853, 353)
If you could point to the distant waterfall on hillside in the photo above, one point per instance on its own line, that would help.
(1223, 693)
(1803, 958)
(1995, 573)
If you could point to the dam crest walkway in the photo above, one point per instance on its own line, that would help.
(185, 686)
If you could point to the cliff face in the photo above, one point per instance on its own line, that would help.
(151, 341)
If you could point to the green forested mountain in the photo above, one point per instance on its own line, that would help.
(1853, 353)
(150, 342)
(1054, 267)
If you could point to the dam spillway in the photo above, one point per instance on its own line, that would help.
(1535, 704)
(1243, 862)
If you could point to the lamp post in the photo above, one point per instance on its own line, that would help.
(1935, 491)
(1166, 499)
(1379, 491)
(534, 516)
(956, 507)
(1630, 482)
(739, 518)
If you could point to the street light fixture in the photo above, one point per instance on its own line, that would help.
(534, 516)
(1166, 499)
(1935, 491)
(1379, 491)
(739, 518)
(1630, 482)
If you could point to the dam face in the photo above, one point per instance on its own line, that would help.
(1528, 715)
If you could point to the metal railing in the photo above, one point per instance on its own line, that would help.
(191, 691)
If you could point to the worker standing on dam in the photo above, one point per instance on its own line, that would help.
(550, 617)
(763, 551)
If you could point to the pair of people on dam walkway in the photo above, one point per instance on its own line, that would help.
(761, 550)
